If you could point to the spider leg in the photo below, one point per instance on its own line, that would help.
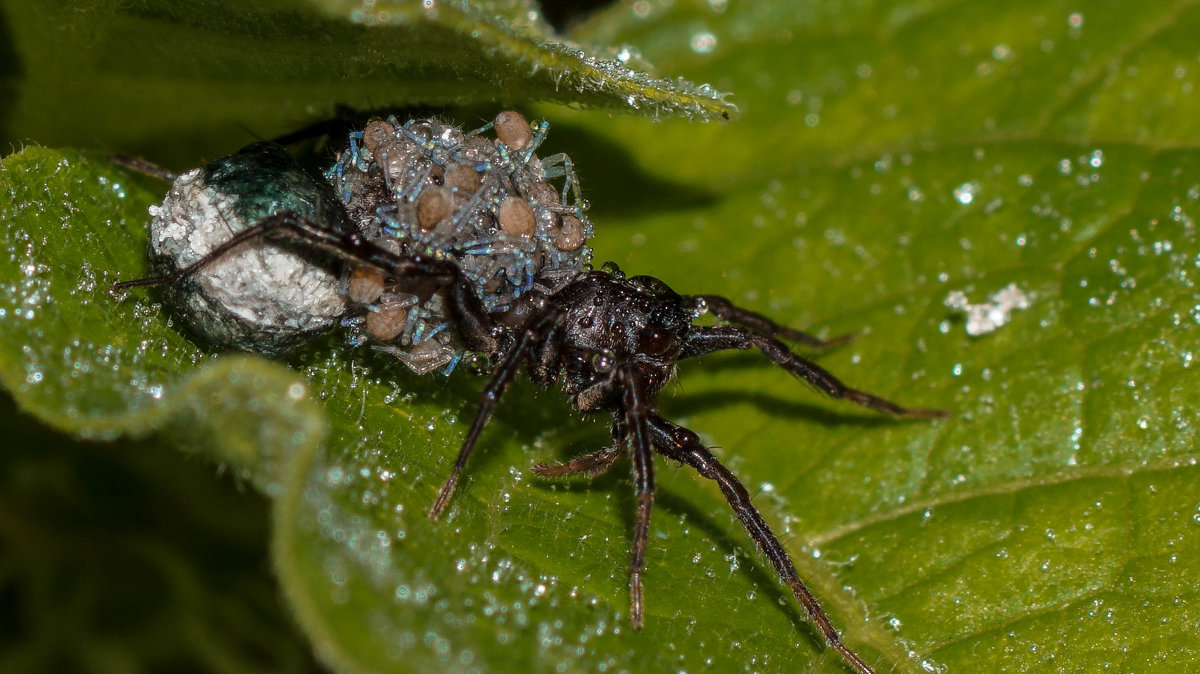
(705, 340)
(504, 374)
(636, 410)
(294, 231)
(257, 231)
(679, 443)
(285, 227)
(725, 310)
(142, 166)
(591, 464)
(344, 120)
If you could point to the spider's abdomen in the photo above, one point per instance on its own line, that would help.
(419, 189)
(257, 297)
(425, 187)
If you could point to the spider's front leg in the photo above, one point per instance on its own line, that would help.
(511, 360)
(683, 445)
(630, 431)
(709, 339)
(635, 408)
(591, 464)
(758, 324)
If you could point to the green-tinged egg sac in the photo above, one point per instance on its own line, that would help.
(258, 297)
(425, 187)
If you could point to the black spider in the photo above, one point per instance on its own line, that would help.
(612, 342)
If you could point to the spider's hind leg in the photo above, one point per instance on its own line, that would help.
(285, 227)
(344, 120)
(142, 166)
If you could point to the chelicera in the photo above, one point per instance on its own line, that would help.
(610, 341)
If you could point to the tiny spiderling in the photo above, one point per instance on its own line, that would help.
(430, 243)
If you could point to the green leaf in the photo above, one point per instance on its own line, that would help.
(888, 156)
(122, 557)
(165, 76)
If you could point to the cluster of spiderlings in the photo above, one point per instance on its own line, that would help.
(492, 205)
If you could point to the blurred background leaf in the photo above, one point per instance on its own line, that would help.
(176, 80)
(888, 154)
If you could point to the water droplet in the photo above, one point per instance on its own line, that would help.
(965, 193)
(703, 43)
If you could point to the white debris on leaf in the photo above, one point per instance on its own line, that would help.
(987, 316)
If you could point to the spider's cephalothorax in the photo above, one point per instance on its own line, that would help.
(610, 341)
(605, 322)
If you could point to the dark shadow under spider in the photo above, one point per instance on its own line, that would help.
(612, 342)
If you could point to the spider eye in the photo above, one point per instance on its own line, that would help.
(655, 341)
(602, 362)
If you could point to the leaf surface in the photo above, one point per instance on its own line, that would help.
(165, 78)
(889, 155)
